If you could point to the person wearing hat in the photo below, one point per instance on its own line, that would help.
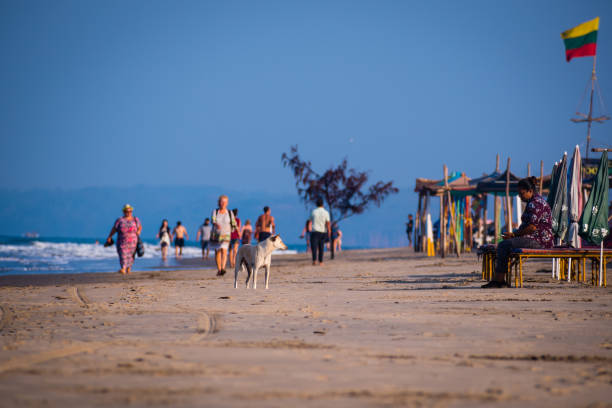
(128, 229)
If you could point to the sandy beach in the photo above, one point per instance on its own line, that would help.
(373, 328)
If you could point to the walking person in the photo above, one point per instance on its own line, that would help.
(409, 228)
(223, 222)
(180, 234)
(203, 236)
(235, 239)
(336, 234)
(264, 227)
(247, 232)
(128, 229)
(320, 231)
(165, 238)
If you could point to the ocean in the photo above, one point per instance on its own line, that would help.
(19, 255)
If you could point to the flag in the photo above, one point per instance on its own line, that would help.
(581, 41)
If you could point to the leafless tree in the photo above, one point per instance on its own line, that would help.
(343, 190)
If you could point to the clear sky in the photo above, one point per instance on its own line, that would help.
(118, 93)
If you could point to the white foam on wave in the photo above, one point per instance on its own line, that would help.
(285, 252)
(62, 252)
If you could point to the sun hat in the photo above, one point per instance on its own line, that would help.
(127, 207)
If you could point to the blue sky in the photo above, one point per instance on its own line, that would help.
(120, 93)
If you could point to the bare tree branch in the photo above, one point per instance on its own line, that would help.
(343, 189)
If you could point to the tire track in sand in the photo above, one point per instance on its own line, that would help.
(207, 324)
(7, 317)
(31, 359)
(79, 297)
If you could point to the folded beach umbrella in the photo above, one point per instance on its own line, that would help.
(553, 185)
(557, 199)
(575, 198)
(594, 219)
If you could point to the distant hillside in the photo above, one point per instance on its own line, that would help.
(90, 212)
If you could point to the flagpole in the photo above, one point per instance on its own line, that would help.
(590, 117)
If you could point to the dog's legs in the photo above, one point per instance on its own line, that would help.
(249, 272)
(255, 277)
(267, 274)
(236, 270)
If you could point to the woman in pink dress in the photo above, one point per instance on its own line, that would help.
(128, 229)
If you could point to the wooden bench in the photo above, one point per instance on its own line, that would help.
(576, 258)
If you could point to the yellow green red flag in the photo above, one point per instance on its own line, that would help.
(581, 41)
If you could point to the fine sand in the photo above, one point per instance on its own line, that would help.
(373, 328)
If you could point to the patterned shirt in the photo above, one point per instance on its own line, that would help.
(537, 213)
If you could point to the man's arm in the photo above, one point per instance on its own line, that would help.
(529, 229)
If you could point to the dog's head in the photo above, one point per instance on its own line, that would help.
(277, 242)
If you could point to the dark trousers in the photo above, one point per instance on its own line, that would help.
(263, 236)
(317, 244)
(504, 249)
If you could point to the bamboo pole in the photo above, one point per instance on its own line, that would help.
(508, 199)
(426, 211)
(496, 208)
(442, 227)
(417, 227)
(541, 177)
(484, 217)
(453, 225)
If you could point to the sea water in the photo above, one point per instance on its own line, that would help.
(78, 255)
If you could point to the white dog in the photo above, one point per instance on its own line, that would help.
(253, 257)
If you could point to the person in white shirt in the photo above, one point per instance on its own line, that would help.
(320, 230)
(204, 235)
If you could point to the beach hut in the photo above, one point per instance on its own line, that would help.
(455, 215)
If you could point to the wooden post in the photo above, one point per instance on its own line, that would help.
(425, 210)
(541, 177)
(508, 199)
(452, 215)
(442, 228)
(528, 169)
(496, 208)
(484, 217)
(417, 225)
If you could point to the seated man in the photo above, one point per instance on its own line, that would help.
(535, 231)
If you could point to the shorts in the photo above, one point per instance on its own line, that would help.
(234, 241)
(164, 244)
(263, 236)
(220, 245)
(179, 242)
(204, 244)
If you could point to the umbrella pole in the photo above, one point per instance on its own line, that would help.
(601, 264)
